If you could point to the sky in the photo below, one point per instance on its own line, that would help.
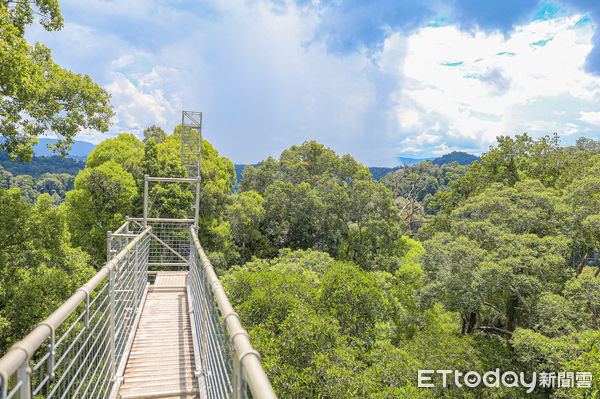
(378, 79)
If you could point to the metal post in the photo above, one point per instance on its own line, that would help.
(198, 176)
(52, 355)
(87, 310)
(24, 377)
(145, 200)
(108, 245)
(237, 377)
(138, 277)
(204, 312)
(113, 356)
(197, 204)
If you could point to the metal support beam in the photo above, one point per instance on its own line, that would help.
(112, 330)
(172, 179)
(24, 377)
(191, 152)
(162, 220)
(168, 264)
(108, 245)
(145, 200)
(197, 203)
(237, 378)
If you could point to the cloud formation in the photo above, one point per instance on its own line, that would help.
(377, 80)
(496, 84)
(349, 25)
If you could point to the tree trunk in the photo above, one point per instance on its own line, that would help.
(471, 322)
(512, 313)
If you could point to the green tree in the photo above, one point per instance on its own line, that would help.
(245, 215)
(38, 96)
(327, 328)
(27, 186)
(317, 199)
(100, 201)
(39, 269)
(501, 251)
(156, 133)
(125, 149)
(293, 215)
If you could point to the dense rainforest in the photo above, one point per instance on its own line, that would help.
(348, 286)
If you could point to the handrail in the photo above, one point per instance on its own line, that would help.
(248, 358)
(21, 352)
(162, 220)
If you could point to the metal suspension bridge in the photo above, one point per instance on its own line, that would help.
(154, 322)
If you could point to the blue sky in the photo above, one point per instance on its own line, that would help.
(377, 79)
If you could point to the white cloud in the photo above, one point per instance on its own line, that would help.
(484, 85)
(264, 82)
(139, 106)
(591, 117)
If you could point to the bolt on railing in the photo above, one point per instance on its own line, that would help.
(74, 352)
(228, 360)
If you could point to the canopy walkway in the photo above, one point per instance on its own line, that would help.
(121, 336)
(154, 322)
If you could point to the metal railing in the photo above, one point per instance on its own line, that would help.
(80, 351)
(75, 352)
(229, 362)
(170, 241)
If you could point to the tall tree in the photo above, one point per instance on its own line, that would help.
(100, 201)
(125, 149)
(156, 133)
(37, 96)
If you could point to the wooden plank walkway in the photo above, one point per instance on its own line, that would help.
(161, 363)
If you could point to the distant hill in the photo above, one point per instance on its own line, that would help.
(40, 165)
(463, 158)
(379, 171)
(79, 149)
(412, 161)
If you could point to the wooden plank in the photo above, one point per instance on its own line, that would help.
(170, 279)
(161, 363)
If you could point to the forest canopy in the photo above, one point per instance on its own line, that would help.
(348, 286)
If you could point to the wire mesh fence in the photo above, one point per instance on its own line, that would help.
(215, 349)
(79, 351)
(169, 244)
(79, 357)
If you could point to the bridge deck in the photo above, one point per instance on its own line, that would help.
(161, 363)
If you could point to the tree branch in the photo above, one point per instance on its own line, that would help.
(505, 333)
(492, 306)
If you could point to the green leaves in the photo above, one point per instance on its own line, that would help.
(100, 201)
(154, 133)
(125, 149)
(315, 199)
(36, 261)
(312, 318)
(38, 96)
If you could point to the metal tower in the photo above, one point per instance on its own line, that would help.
(191, 141)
